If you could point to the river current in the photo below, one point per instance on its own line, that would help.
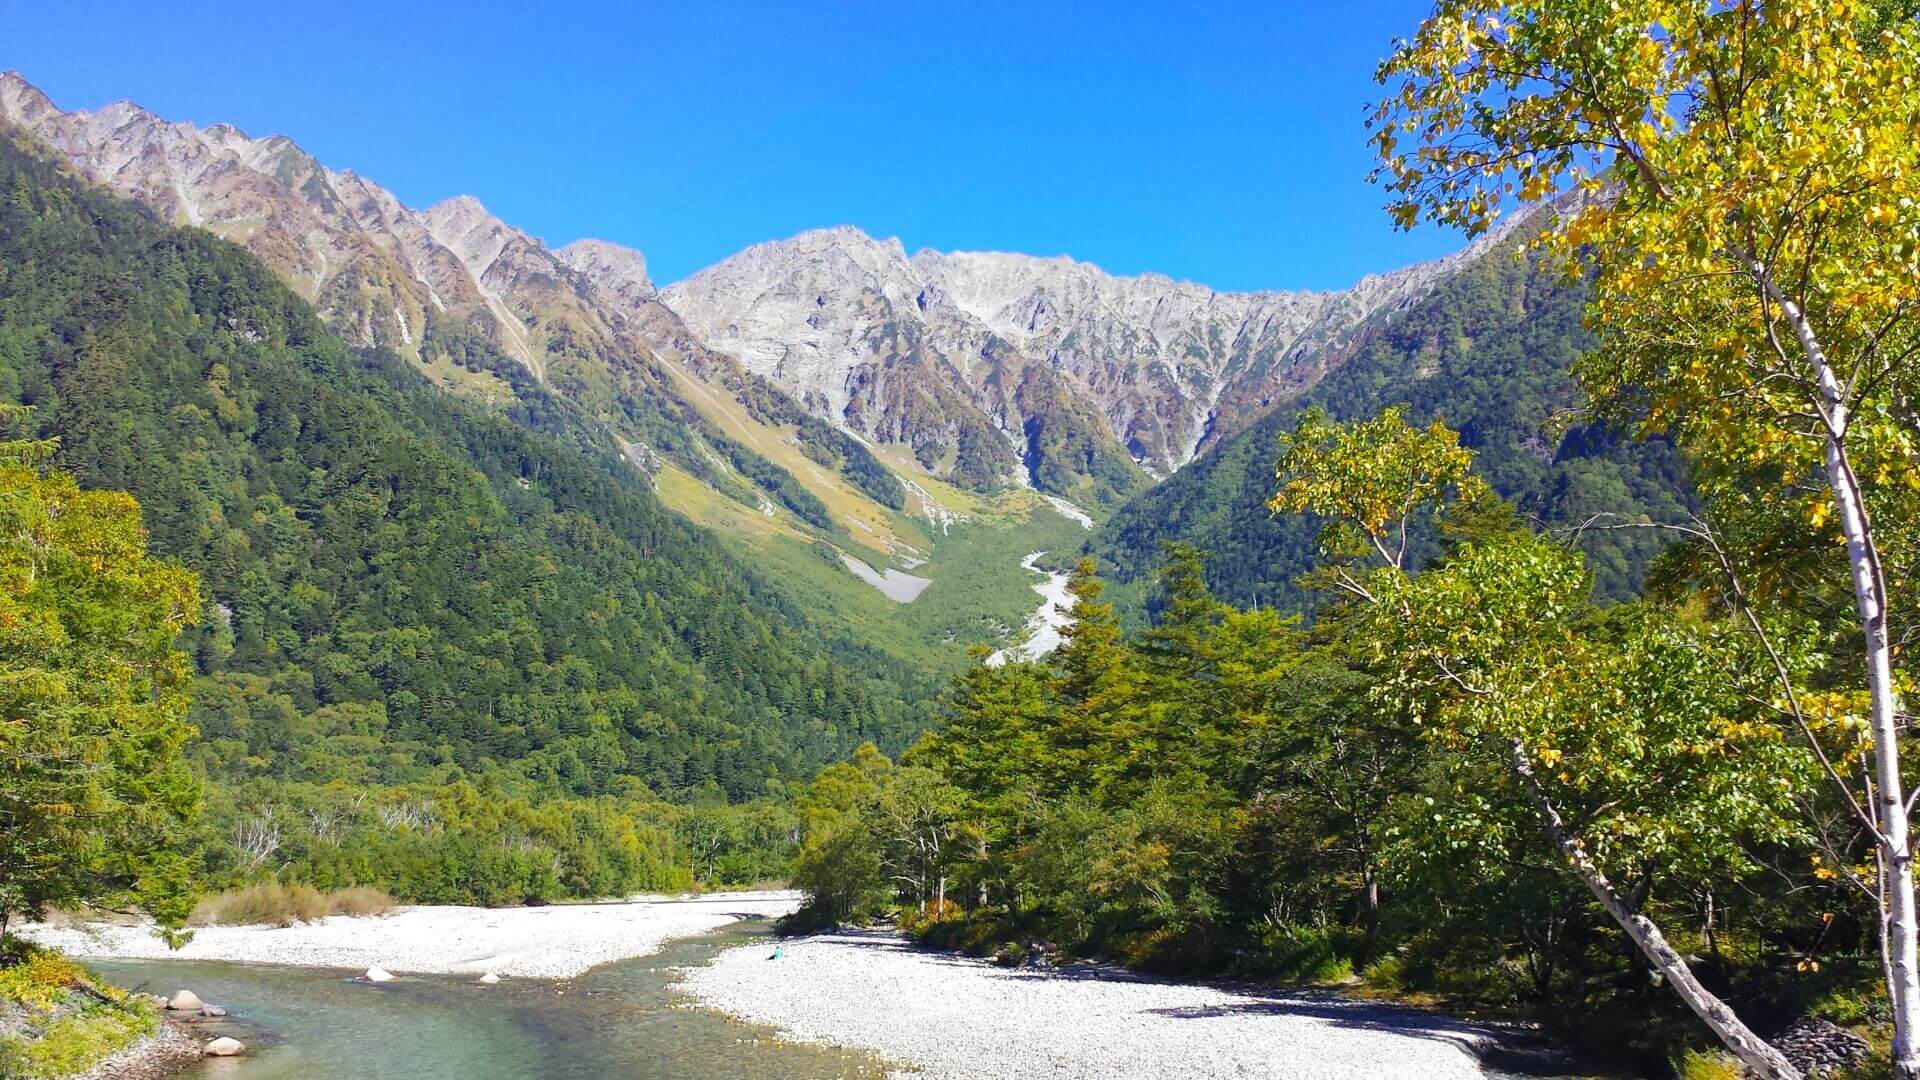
(620, 1020)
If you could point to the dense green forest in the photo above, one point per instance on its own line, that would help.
(405, 591)
(1229, 790)
(1490, 352)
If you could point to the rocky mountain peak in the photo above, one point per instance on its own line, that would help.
(21, 101)
(1091, 380)
(1165, 365)
(620, 269)
(464, 227)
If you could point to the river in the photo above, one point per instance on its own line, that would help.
(620, 1020)
(1049, 622)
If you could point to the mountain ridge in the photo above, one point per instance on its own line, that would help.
(1171, 366)
(993, 369)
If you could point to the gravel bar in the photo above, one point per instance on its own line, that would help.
(556, 942)
(965, 1019)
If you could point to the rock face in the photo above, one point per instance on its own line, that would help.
(871, 337)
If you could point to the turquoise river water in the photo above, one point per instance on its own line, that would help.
(619, 1020)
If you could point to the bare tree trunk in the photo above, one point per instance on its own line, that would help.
(1370, 895)
(1755, 1053)
(1870, 605)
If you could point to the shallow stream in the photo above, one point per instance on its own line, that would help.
(620, 1020)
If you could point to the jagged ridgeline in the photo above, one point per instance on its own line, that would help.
(1488, 351)
(402, 582)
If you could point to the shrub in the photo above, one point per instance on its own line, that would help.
(1386, 973)
(360, 901)
(274, 904)
(1311, 954)
(36, 978)
(919, 921)
(75, 1042)
(840, 873)
(57, 1022)
(1707, 1065)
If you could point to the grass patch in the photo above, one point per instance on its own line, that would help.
(274, 904)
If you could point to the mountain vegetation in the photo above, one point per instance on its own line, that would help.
(93, 788)
(408, 594)
(1490, 351)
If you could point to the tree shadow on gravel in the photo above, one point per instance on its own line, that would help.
(1495, 1045)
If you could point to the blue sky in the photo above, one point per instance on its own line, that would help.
(1221, 143)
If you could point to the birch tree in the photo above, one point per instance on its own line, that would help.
(1636, 752)
(1751, 219)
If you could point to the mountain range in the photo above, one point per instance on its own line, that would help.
(992, 368)
(855, 415)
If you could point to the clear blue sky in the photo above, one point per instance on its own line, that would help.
(1217, 142)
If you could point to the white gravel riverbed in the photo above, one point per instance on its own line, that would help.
(559, 941)
(966, 1019)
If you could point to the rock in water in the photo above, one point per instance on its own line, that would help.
(489, 978)
(211, 1011)
(225, 1047)
(378, 975)
(185, 1001)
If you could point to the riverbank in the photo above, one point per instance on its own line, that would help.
(555, 942)
(968, 1019)
(165, 1053)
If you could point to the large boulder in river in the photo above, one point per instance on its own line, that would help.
(378, 975)
(489, 978)
(225, 1047)
(185, 1001)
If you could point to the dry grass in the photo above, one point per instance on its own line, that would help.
(273, 904)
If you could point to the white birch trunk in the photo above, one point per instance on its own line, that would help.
(1902, 943)
(1758, 1055)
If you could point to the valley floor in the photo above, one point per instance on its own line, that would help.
(869, 990)
(558, 941)
(966, 1019)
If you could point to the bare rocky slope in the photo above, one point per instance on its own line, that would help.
(1089, 378)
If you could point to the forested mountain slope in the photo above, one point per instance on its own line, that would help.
(403, 584)
(490, 313)
(1488, 351)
